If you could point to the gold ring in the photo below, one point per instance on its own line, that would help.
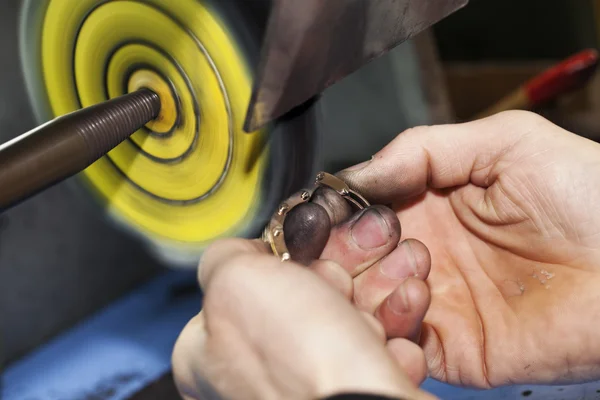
(273, 232)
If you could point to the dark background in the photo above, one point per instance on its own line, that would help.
(516, 30)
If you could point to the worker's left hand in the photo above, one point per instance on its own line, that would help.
(272, 330)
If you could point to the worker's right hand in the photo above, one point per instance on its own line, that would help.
(509, 208)
(269, 330)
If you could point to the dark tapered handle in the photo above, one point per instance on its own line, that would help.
(68, 144)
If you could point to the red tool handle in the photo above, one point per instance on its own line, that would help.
(569, 75)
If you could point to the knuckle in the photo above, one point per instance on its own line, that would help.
(218, 247)
(522, 118)
(517, 114)
(219, 254)
(417, 130)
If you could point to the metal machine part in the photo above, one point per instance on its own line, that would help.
(312, 44)
(68, 144)
(273, 232)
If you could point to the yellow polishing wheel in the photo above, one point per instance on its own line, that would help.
(192, 175)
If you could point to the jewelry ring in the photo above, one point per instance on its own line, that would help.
(273, 232)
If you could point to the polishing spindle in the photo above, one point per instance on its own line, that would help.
(68, 144)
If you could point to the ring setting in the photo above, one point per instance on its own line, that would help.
(273, 233)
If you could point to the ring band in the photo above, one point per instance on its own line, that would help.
(273, 232)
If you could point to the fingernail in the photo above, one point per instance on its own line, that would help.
(400, 263)
(398, 301)
(370, 231)
(360, 166)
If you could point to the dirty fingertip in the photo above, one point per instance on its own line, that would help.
(306, 229)
(337, 208)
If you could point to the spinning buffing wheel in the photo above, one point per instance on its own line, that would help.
(192, 175)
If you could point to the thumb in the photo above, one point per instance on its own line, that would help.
(439, 157)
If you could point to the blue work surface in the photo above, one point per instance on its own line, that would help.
(113, 354)
(125, 347)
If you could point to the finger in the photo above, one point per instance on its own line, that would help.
(440, 157)
(402, 312)
(185, 368)
(306, 231)
(410, 259)
(307, 227)
(222, 250)
(338, 209)
(411, 359)
(335, 275)
(375, 325)
(364, 239)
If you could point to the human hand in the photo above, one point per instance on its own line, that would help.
(509, 208)
(387, 275)
(272, 330)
